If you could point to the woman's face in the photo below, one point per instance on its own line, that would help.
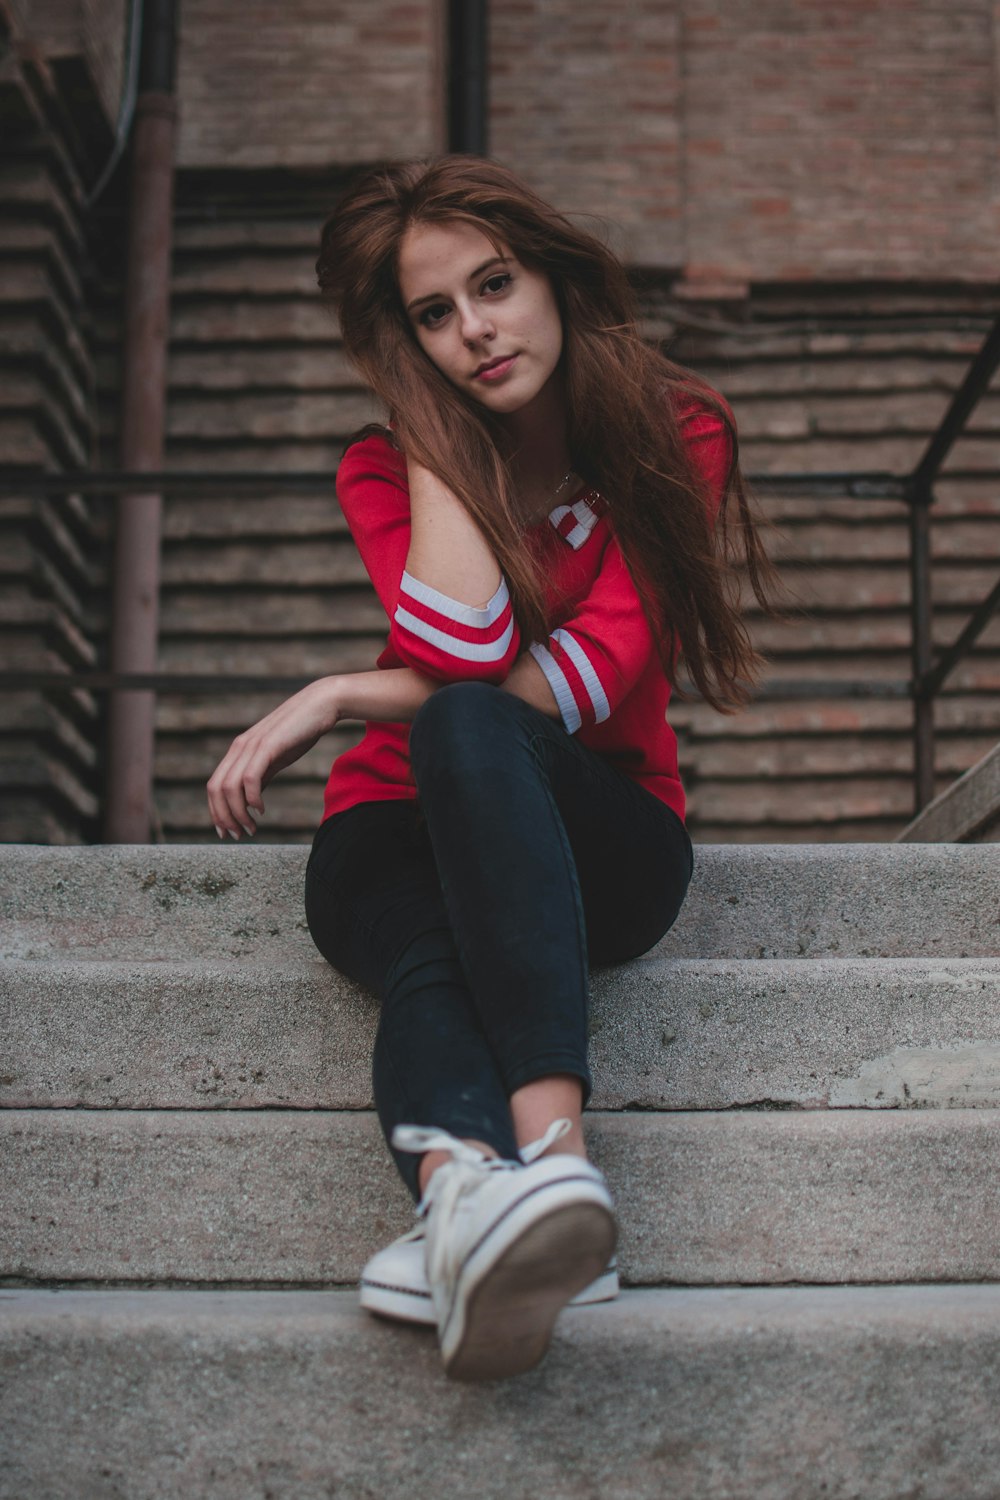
(489, 323)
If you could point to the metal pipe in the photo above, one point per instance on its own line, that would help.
(136, 583)
(200, 483)
(921, 644)
(468, 76)
(949, 660)
(961, 407)
(779, 689)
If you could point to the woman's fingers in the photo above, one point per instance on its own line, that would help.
(228, 789)
(235, 789)
(227, 803)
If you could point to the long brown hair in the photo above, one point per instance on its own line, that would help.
(622, 428)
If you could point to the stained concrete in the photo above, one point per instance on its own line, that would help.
(185, 1035)
(746, 901)
(774, 1394)
(817, 1033)
(665, 1034)
(297, 1197)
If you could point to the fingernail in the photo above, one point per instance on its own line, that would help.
(220, 831)
(233, 834)
(248, 829)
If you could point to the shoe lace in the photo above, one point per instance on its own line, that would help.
(422, 1138)
(464, 1173)
(555, 1132)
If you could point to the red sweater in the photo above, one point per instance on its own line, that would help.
(600, 660)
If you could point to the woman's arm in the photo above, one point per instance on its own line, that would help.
(391, 694)
(435, 630)
(257, 755)
(451, 559)
(448, 552)
(527, 681)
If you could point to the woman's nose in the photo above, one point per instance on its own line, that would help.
(475, 326)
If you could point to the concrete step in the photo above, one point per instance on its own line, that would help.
(737, 1394)
(301, 1198)
(969, 811)
(665, 1034)
(752, 901)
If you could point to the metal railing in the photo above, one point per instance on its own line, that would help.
(914, 490)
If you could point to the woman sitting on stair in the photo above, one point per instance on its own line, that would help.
(548, 519)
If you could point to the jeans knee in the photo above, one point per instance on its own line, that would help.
(457, 722)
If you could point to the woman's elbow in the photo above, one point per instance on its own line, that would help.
(445, 665)
(459, 653)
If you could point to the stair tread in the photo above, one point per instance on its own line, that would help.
(757, 900)
(726, 1394)
(665, 1033)
(305, 1197)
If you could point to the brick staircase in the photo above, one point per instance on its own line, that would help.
(797, 1105)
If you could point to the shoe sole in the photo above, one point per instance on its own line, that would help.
(502, 1325)
(405, 1305)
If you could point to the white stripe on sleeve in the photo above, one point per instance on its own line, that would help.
(556, 679)
(583, 664)
(451, 645)
(454, 609)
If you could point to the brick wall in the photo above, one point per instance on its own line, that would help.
(846, 141)
(307, 83)
(741, 140)
(587, 104)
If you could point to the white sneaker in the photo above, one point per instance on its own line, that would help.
(394, 1282)
(507, 1246)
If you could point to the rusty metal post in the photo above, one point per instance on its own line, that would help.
(136, 585)
(921, 499)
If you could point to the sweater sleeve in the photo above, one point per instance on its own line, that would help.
(596, 657)
(593, 660)
(436, 635)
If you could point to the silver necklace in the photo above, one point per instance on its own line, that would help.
(549, 504)
(562, 486)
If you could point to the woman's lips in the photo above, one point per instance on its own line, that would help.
(497, 370)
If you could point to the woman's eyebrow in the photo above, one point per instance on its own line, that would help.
(494, 260)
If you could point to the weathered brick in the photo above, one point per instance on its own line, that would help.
(304, 84)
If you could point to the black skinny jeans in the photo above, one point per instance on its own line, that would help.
(474, 912)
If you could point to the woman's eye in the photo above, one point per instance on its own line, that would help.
(435, 314)
(497, 283)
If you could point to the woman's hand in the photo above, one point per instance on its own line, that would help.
(257, 755)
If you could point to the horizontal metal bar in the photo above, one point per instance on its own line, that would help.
(961, 407)
(148, 682)
(930, 682)
(181, 482)
(202, 682)
(201, 483)
(832, 688)
(833, 486)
